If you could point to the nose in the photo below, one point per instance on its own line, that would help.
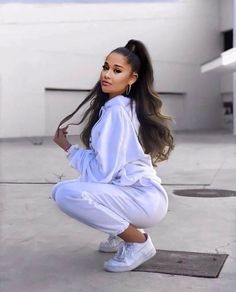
(107, 74)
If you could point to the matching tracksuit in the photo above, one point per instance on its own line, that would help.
(117, 184)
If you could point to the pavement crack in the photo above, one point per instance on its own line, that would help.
(224, 246)
(59, 176)
(216, 173)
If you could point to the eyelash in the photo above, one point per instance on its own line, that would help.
(115, 70)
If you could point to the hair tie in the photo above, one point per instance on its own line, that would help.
(133, 47)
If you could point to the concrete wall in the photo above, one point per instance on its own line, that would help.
(64, 45)
(226, 14)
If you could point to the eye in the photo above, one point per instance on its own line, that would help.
(117, 71)
(105, 67)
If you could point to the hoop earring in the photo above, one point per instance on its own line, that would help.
(129, 88)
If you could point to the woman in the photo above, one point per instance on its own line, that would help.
(118, 191)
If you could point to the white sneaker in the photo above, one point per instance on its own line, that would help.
(130, 255)
(111, 244)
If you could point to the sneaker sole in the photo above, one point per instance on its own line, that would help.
(108, 250)
(148, 256)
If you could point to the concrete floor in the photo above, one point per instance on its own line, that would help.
(43, 250)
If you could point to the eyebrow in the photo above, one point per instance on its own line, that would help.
(115, 65)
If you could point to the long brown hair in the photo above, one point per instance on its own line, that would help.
(155, 134)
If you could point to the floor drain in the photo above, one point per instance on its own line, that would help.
(205, 193)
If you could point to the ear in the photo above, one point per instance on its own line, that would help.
(133, 78)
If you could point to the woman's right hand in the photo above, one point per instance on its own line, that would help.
(60, 138)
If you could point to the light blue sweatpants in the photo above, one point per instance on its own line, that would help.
(111, 208)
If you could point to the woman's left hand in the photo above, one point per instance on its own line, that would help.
(60, 138)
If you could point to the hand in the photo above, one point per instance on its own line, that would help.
(60, 138)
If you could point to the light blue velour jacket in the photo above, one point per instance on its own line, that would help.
(115, 154)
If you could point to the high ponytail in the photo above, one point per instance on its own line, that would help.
(155, 133)
(138, 49)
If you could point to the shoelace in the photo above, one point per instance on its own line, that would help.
(111, 238)
(124, 250)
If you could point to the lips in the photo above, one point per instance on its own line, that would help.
(105, 83)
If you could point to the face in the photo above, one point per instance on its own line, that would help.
(116, 75)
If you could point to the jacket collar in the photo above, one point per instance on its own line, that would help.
(119, 99)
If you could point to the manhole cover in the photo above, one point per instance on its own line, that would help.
(186, 263)
(205, 193)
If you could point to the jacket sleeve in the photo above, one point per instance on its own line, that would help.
(107, 154)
